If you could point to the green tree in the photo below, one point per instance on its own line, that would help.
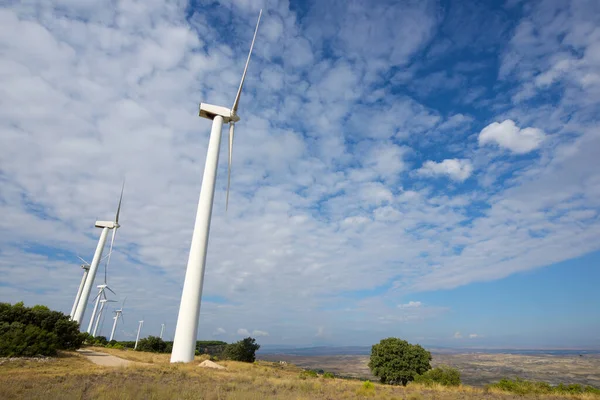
(396, 361)
(152, 344)
(27, 331)
(244, 350)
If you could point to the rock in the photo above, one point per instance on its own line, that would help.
(210, 364)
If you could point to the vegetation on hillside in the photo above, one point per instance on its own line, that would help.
(523, 387)
(71, 376)
(395, 361)
(36, 331)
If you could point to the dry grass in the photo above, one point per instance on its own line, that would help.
(71, 376)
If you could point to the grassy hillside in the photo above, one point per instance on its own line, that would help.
(71, 376)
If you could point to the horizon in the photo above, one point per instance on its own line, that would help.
(423, 170)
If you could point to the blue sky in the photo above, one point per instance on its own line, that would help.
(426, 169)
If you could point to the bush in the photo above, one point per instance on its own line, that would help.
(395, 361)
(31, 331)
(308, 373)
(244, 350)
(444, 375)
(328, 375)
(152, 344)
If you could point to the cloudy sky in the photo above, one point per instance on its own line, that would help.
(419, 169)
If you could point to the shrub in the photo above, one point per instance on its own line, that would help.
(309, 373)
(366, 389)
(244, 350)
(395, 361)
(444, 375)
(31, 331)
(152, 344)
(328, 375)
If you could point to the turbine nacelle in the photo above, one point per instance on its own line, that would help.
(210, 111)
(107, 224)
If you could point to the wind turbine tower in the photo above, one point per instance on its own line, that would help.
(99, 298)
(118, 314)
(86, 269)
(102, 305)
(87, 287)
(137, 338)
(162, 330)
(186, 330)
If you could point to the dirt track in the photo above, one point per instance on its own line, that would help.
(104, 359)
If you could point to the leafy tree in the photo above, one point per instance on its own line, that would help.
(244, 350)
(396, 361)
(444, 375)
(152, 344)
(27, 331)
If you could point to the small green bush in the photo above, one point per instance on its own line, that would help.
(443, 375)
(368, 385)
(328, 375)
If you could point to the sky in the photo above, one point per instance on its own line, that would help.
(419, 169)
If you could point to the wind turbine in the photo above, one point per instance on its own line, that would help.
(86, 269)
(162, 329)
(102, 304)
(184, 343)
(118, 313)
(138, 334)
(87, 287)
(99, 298)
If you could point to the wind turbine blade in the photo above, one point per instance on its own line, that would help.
(123, 305)
(231, 129)
(112, 241)
(239, 92)
(111, 291)
(119, 207)
(85, 262)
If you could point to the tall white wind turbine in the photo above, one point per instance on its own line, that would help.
(102, 305)
(137, 338)
(186, 330)
(87, 287)
(118, 314)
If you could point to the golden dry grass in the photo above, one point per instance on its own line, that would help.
(71, 376)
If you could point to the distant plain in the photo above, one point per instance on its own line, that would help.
(477, 369)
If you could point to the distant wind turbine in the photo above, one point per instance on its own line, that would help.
(118, 314)
(86, 269)
(87, 287)
(102, 304)
(99, 297)
(137, 338)
(186, 330)
(162, 329)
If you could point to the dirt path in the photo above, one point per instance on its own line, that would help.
(105, 360)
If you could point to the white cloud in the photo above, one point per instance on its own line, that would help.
(509, 136)
(243, 332)
(411, 304)
(457, 335)
(219, 332)
(473, 336)
(320, 332)
(258, 333)
(457, 169)
(323, 202)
